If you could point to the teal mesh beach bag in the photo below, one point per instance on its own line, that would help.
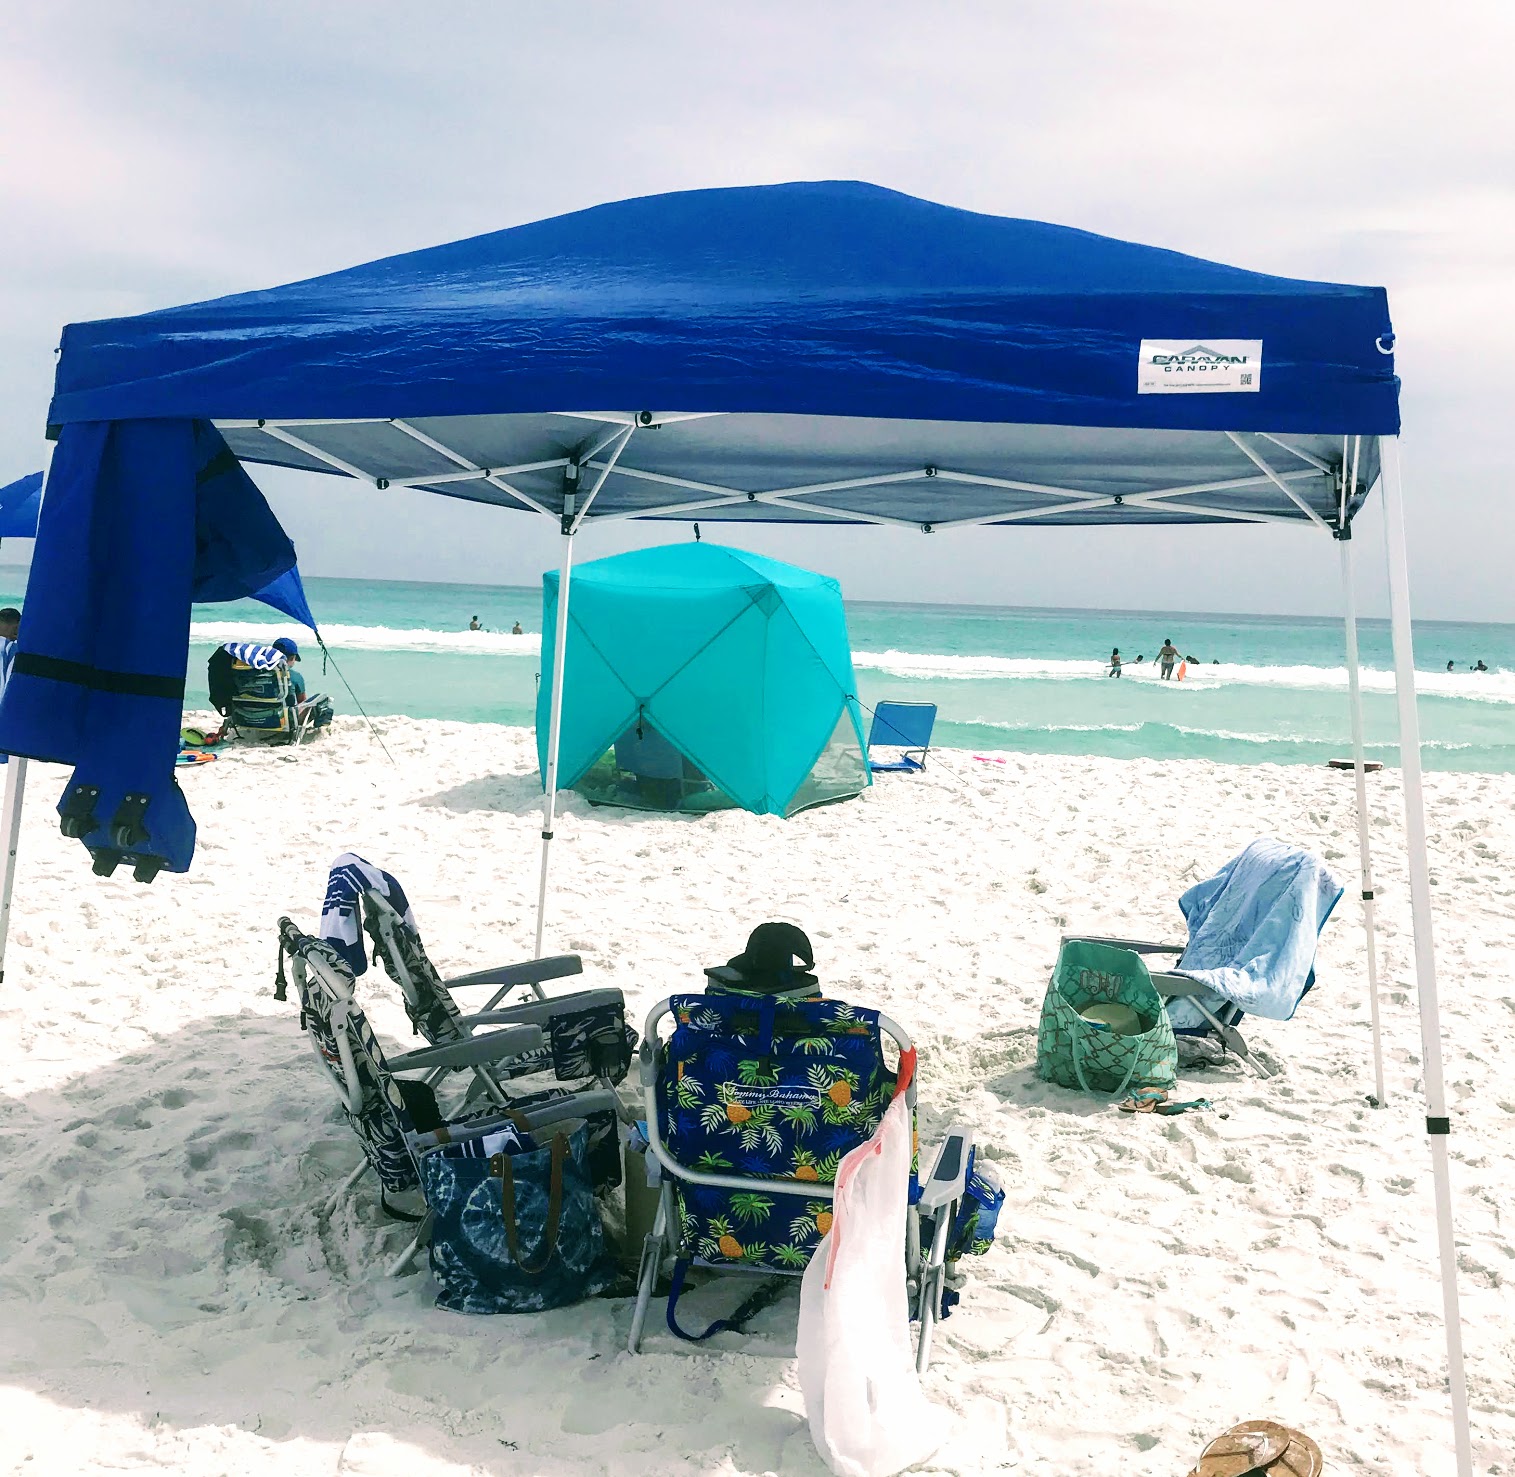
(1122, 1052)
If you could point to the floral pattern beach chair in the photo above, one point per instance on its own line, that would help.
(397, 1119)
(752, 1103)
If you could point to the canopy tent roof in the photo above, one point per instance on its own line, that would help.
(817, 352)
(805, 352)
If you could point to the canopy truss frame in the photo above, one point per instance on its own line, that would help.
(801, 497)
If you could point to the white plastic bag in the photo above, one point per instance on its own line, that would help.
(868, 1414)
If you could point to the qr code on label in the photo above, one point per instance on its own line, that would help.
(1246, 379)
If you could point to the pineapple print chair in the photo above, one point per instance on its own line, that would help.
(751, 1104)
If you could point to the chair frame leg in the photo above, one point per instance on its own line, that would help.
(653, 1249)
(335, 1198)
(933, 1279)
(420, 1241)
(1233, 1039)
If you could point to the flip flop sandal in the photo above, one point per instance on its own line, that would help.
(1246, 1448)
(1168, 1110)
(1144, 1100)
(1301, 1459)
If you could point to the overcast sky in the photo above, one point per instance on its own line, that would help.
(162, 153)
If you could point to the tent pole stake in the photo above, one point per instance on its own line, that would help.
(1425, 953)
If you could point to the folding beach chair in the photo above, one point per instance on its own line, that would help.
(585, 1038)
(586, 1035)
(751, 1105)
(1253, 932)
(397, 1118)
(904, 726)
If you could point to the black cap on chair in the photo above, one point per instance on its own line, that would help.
(771, 951)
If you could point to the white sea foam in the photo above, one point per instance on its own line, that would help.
(377, 638)
(1498, 687)
(1229, 735)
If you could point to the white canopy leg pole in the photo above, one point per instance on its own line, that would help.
(1364, 849)
(554, 728)
(1437, 1124)
(10, 828)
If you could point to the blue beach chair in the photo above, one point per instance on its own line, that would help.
(1253, 932)
(905, 726)
(751, 1105)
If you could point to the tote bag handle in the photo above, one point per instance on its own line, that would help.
(1078, 1066)
(1078, 1070)
(500, 1165)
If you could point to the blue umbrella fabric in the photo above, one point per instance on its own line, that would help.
(21, 506)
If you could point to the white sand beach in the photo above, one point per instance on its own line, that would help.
(174, 1301)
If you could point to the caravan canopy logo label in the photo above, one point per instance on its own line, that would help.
(1175, 366)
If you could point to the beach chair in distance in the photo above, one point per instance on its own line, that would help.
(1253, 932)
(750, 1107)
(903, 726)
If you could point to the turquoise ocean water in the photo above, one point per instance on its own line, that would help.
(1027, 680)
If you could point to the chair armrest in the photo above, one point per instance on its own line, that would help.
(529, 972)
(544, 1012)
(949, 1170)
(475, 1052)
(1176, 986)
(1136, 946)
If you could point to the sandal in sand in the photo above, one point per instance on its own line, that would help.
(1168, 1110)
(1263, 1448)
(1144, 1100)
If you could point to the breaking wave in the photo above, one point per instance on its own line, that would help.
(1497, 687)
(376, 638)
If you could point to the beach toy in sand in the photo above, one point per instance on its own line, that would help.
(1110, 1015)
(1261, 1447)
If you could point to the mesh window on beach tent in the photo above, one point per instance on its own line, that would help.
(703, 678)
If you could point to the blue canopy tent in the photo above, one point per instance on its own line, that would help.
(818, 353)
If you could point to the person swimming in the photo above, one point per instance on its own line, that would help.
(516, 630)
(474, 625)
(1478, 666)
(1451, 666)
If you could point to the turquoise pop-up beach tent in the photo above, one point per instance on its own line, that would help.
(740, 663)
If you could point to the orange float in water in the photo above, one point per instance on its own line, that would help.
(1182, 668)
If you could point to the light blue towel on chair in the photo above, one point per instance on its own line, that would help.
(1253, 928)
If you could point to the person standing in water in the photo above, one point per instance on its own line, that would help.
(516, 630)
(1114, 663)
(1167, 656)
(474, 625)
